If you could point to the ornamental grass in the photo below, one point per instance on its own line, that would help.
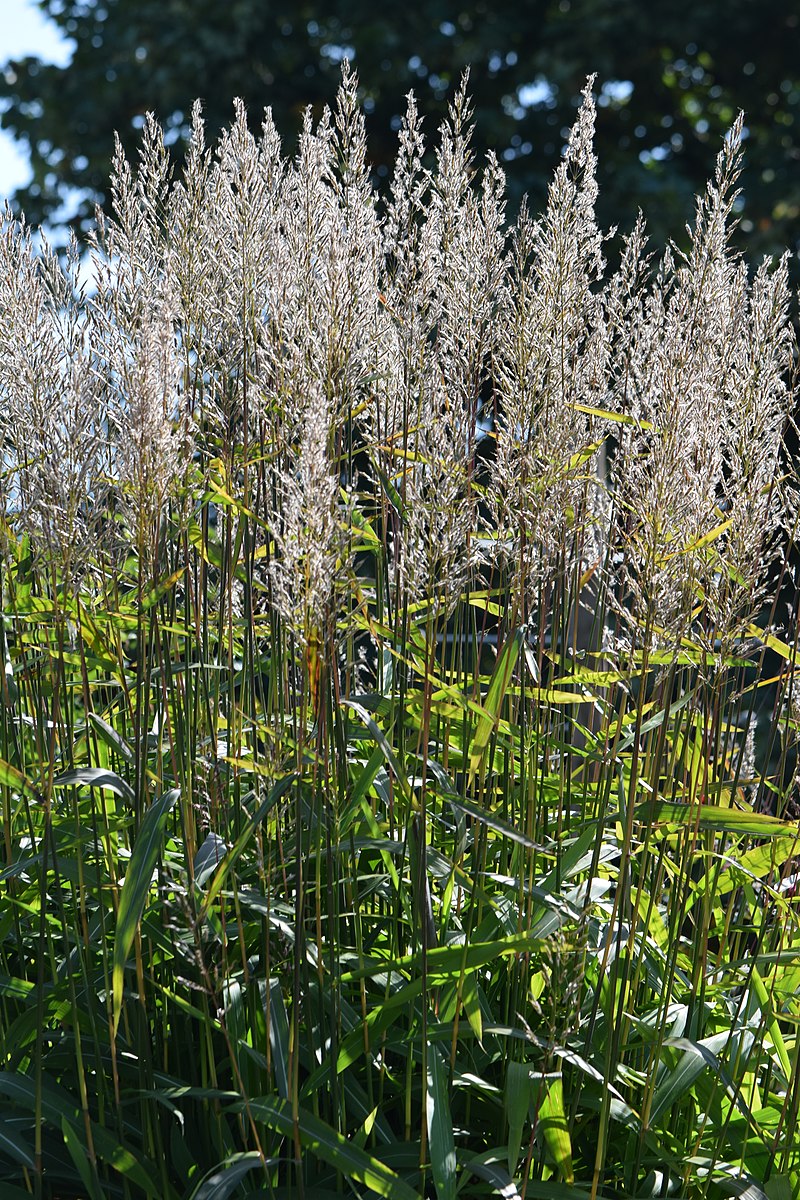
(399, 722)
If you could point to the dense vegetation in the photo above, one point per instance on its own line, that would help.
(398, 720)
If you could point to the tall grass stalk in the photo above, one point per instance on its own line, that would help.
(399, 723)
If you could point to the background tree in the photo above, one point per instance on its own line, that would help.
(670, 80)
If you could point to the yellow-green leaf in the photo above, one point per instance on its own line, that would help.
(554, 1126)
(498, 686)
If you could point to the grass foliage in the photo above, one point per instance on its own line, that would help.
(399, 717)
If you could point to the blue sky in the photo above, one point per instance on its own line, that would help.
(24, 30)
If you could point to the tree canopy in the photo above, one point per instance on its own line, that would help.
(670, 80)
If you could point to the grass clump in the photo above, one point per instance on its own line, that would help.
(399, 714)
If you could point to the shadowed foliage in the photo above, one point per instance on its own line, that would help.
(670, 80)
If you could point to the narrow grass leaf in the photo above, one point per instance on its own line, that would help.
(753, 864)
(517, 1102)
(361, 1135)
(137, 886)
(490, 821)
(772, 1023)
(56, 1103)
(97, 777)
(98, 643)
(441, 1141)
(580, 457)
(15, 989)
(779, 1187)
(225, 1178)
(616, 418)
(381, 739)
(366, 777)
(13, 778)
(208, 858)
(144, 1174)
(705, 540)
(77, 1152)
(655, 722)
(58, 1108)
(472, 1006)
(379, 1019)
(499, 1180)
(13, 1144)
(329, 1145)
(159, 590)
(279, 1038)
(244, 839)
(498, 685)
(392, 494)
(444, 961)
(773, 643)
(712, 818)
(677, 1082)
(111, 738)
(554, 1126)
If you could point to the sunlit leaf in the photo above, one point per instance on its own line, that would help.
(677, 1081)
(323, 1142)
(13, 778)
(552, 1120)
(709, 816)
(112, 738)
(208, 857)
(97, 777)
(500, 682)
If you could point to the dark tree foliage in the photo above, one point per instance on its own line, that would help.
(670, 79)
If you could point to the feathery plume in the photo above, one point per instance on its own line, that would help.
(550, 366)
(53, 414)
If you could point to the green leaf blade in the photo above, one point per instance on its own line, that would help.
(136, 888)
